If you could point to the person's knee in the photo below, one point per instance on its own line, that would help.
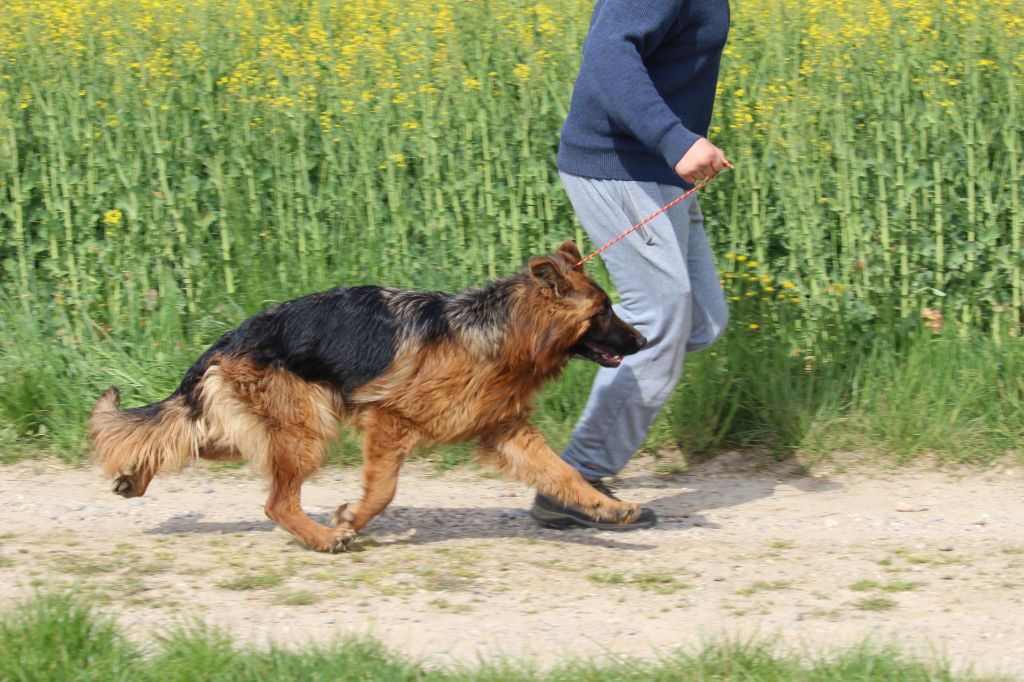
(663, 318)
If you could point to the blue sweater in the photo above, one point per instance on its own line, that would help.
(645, 89)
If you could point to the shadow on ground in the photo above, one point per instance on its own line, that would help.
(716, 485)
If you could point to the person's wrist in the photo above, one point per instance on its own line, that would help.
(675, 144)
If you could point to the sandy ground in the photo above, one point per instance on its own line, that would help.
(456, 571)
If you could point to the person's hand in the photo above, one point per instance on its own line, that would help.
(702, 160)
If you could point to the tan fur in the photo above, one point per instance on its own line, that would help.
(464, 387)
(136, 449)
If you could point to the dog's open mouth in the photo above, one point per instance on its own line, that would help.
(589, 350)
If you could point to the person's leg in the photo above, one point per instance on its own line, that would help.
(710, 310)
(651, 270)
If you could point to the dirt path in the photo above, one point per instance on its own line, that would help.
(455, 570)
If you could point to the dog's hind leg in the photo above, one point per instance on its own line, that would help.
(523, 455)
(386, 442)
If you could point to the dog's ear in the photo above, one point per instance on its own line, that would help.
(569, 252)
(547, 271)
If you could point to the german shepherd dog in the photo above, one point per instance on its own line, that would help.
(404, 367)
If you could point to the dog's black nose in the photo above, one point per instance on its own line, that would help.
(641, 341)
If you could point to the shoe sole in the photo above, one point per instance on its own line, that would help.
(559, 521)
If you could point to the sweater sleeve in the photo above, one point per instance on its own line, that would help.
(620, 33)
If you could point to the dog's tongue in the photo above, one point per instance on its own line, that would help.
(609, 357)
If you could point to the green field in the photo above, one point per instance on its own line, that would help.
(167, 168)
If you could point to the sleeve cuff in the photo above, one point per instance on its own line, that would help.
(675, 143)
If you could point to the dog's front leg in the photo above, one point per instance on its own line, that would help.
(386, 442)
(523, 455)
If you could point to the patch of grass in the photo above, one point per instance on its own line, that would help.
(865, 585)
(875, 604)
(891, 586)
(86, 567)
(900, 586)
(56, 637)
(446, 582)
(781, 544)
(296, 597)
(661, 583)
(765, 586)
(5, 562)
(60, 638)
(251, 582)
(607, 578)
(152, 568)
(446, 605)
(942, 559)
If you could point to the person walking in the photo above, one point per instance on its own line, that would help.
(635, 137)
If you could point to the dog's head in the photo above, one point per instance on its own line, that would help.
(587, 326)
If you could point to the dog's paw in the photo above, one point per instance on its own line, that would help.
(341, 540)
(342, 517)
(125, 486)
(621, 512)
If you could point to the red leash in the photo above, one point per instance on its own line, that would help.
(646, 220)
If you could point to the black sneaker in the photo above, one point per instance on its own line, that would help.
(550, 513)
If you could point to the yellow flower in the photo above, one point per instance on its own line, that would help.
(522, 71)
(752, 264)
(786, 284)
(740, 259)
(753, 325)
(729, 256)
(112, 218)
(471, 83)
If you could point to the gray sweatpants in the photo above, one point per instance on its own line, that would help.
(669, 290)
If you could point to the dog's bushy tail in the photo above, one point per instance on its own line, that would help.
(137, 443)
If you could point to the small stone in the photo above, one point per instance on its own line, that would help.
(207, 489)
(945, 548)
(329, 620)
(508, 493)
(981, 520)
(76, 506)
(337, 477)
(513, 514)
(137, 502)
(905, 506)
